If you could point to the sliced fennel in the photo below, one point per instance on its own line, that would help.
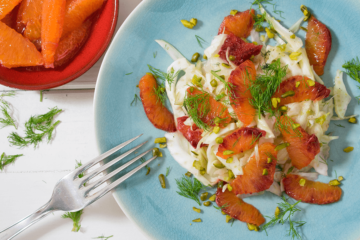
(170, 49)
(295, 43)
(342, 98)
(294, 28)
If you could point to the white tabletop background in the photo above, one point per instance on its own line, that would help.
(28, 184)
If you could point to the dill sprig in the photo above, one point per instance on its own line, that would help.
(189, 189)
(287, 211)
(35, 129)
(160, 93)
(228, 86)
(102, 237)
(168, 169)
(339, 125)
(353, 69)
(265, 85)
(7, 120)
(75, 216)
(129, 73)
(200, 41)
(288, 124)
(5, 160)
(155, 54)
(134, 101)
(163, 76)
(198, 107)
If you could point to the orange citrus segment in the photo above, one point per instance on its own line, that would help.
(17, 51)
(71, 44)
(77, 11)
(53, 13)
(311, 191)
(6, 6)
(29, 19)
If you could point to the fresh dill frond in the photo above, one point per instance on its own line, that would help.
(75, 217)
(221, 207)
(36, 128)
(198, 107)
(168, 169)
(353, 69)
(228, 86)
(265, 85)
(335, 174)
(41, 95)
(5, 160)
(339, 125)
(129, 73)
(102, 237)
(287, 125)
(189, 188)
(163, 76)
(287, 211)
(160, 93)
(200, 41)
(7, 120)
(155, 54)
(134, 101)
(253, 140)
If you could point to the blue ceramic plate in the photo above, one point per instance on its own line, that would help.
(162, 213)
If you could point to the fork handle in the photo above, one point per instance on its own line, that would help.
(26, 222)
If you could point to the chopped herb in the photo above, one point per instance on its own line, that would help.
(198, 107)
(7, 120)
(265, 85)
(200, 41)
(167, 171)
(163, 76)
(36, 128)
(221, 207)
(289, 123)
(147, 167)
(102, 237)
(353, 69)
(339, 125)
(290, 170)
(155, 54)
(335, 174)
(233, 220)
(189, 189)
(160, 93)
(129, 73)
(253, 140)
(134, 101)
(41, 95)
(5, 160)
(75, 216)
(287, 212)
(228, 86)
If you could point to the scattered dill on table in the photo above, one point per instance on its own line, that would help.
(7, 120)
(37, 127)
(129, 73)
(103, 237)
(339, 125)
(168, 169)
(7, 159)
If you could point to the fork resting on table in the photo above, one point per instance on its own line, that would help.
(71, 194)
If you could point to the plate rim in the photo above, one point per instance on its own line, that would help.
(96, 96)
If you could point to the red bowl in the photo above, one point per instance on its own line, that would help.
(99, 39)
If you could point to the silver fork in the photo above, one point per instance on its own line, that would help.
(71, 195)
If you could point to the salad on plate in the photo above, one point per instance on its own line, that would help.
(253, 115)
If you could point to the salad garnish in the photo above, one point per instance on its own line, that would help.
(37, 127)
(189, 188)
(7, 159)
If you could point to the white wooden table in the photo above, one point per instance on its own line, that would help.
(28, 184)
